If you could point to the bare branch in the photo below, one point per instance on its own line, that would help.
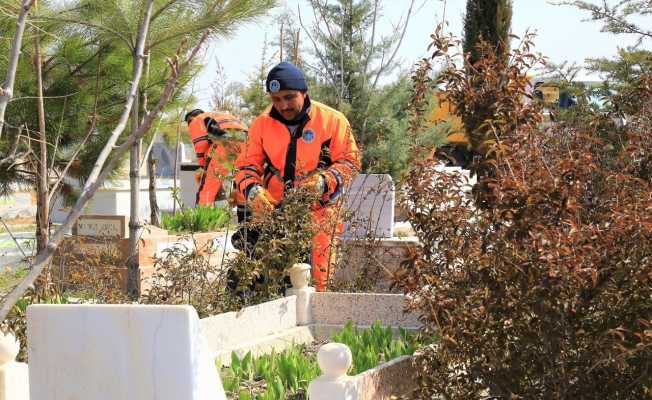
(72, 159)
(61, 96)
(371, 44)
(316, 5)
(58, 138)
(321, 56)
(11, 158)
(390, 60)
(6, 91)
(42, 208)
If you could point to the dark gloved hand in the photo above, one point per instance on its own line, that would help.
(213, 127)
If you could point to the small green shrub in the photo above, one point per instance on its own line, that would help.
(271, 376)
(199, 219)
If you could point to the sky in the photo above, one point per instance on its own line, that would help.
(562, 35)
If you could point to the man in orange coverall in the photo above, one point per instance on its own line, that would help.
(216, 150)
(298, 142)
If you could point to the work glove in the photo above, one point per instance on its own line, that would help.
(316, 183)
(260, 201)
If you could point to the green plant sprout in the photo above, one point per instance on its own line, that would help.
(198, 219)
(286, 375)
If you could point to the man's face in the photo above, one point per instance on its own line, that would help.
(288, 103)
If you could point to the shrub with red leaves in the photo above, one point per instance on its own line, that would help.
(545, 292)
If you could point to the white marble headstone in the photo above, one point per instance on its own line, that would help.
(188, 184)
(370, 202)
(108, 352)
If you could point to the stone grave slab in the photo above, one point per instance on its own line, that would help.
(107, 352)
(370, 202)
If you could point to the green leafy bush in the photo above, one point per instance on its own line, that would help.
(198, 219)
(286, 375)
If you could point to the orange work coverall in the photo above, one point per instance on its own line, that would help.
(324, 144)
(215, 154)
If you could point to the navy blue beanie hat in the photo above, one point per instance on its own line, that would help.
(285, 76)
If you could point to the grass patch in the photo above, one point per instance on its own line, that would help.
(198, 219)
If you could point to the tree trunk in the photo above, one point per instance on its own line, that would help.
(133, 280)
(153, 204)
(281, 44)
(7, 89)
(42, 193)
(175, 191)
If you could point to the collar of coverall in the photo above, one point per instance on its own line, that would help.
(303, 116)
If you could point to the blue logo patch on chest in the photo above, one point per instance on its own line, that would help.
(308, 135)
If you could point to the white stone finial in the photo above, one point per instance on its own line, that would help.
(334, 359)
(299, 275)
(9, 348)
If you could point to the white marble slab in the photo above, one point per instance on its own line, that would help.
(231, 329)
(330, 308)
(108, 352)
(14, 382)
(370, 199)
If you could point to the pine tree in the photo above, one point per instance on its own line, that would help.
(351, 56)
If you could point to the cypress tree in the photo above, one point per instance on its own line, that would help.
(490, 20)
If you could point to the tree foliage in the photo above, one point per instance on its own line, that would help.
(617, 17)
(351, 56)
(489, 21)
